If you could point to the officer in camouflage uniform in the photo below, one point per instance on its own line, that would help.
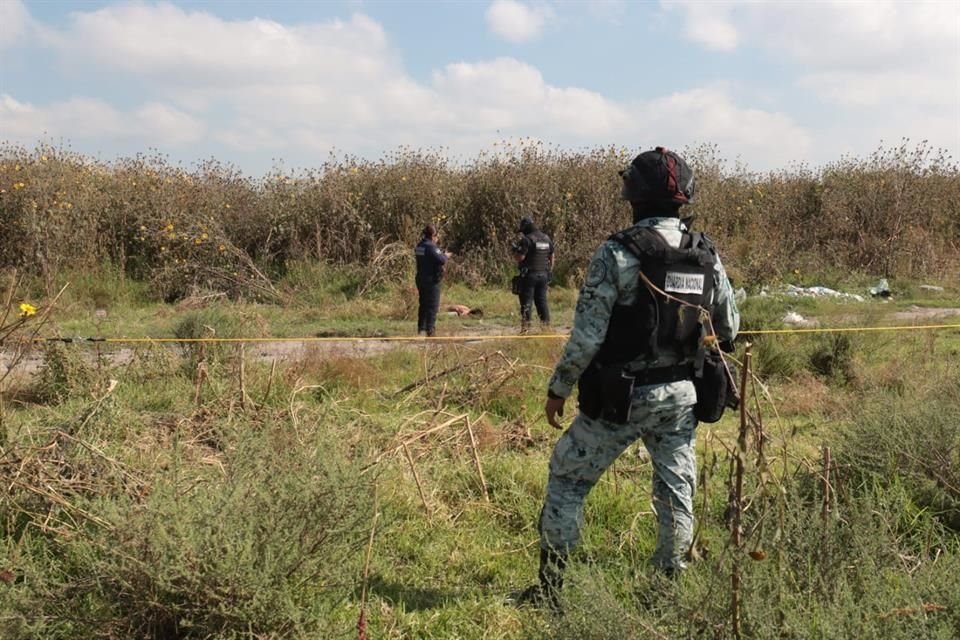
(660, 395)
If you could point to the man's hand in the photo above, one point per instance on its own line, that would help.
(554, 408)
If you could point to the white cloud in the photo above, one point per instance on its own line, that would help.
(516, 21)
(850, 52)
(164, 42)
(263, 88)
(711, 115)
(89, 119)
(512, 97)
(15, 23)
(896, 64)
(709, 24)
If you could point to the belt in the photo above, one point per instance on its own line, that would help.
(662, 375)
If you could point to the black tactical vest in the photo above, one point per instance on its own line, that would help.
(654, 323)
(537, 259)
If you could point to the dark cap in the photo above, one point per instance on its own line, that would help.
(525, 223)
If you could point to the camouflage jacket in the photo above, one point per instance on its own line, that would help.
(612, 278)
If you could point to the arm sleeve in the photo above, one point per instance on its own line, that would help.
(521, 247)
(726, 316)
(594, 307)
(439, 256)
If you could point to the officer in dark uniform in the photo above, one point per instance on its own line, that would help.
(534, 253)
(430, 264)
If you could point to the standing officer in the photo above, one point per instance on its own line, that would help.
(534, 253)
(637, 339)
(430, 264)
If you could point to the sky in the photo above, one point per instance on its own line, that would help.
(288, 83)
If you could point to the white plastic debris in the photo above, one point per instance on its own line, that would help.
(821, 292)
(794, 319)
(931, 287)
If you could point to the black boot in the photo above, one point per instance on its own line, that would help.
(547, 592)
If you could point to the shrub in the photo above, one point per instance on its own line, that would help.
(259, 550)
(893, 214)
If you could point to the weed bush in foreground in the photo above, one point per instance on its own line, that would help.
(261, 542)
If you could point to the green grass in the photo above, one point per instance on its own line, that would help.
(140, 513)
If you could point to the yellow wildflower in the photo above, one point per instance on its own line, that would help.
(27, 310)
(169, 227)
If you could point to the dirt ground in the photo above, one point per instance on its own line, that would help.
(283, 351)
(292, 351)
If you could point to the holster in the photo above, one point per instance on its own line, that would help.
(716, 388)
(606, 392)
(515, 285)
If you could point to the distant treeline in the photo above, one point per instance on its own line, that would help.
(895, 213)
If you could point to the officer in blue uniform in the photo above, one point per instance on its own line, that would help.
(534, 253)
(655, 295)
(430, 264)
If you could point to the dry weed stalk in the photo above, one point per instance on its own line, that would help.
(388, 258)
(476, 461)
(416, 478)
(42, 483)
(415, 437)
(736, 502)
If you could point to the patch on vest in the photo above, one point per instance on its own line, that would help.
(684, 282)
(543, 246)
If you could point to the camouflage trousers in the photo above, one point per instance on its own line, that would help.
(662, 416)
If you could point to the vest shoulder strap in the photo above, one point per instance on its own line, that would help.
(642, 242)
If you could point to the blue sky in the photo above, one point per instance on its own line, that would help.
(771, 84)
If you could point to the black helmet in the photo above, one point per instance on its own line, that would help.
(526, 225)
(658, 176)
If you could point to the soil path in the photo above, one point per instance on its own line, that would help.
(117, 354)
